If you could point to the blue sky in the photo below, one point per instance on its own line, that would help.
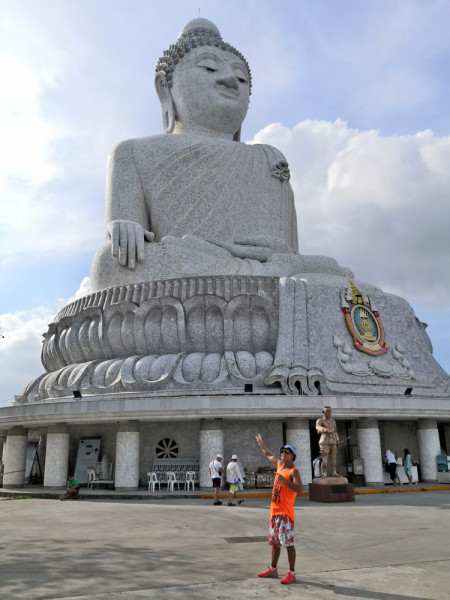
(354, 93)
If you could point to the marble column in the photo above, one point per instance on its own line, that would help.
(429, 448)
(297, 434)
(16, 451)
(127, 456)
(57, 457)
(368, 436)
(42, 448)
(211, 444)
(2, 445)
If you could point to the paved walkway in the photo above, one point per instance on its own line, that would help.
(381, 547)
(38, 491)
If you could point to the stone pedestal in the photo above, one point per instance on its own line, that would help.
(429, 448)
(16, 450)
(211, 444)
(127, 457)
(368, 436)
(297, 434)
(331, 489)
(57, 457)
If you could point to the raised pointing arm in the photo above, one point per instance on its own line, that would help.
(267, 452)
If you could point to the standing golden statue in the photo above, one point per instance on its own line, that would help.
(329, 440)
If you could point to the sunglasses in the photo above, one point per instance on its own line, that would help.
(285, 452)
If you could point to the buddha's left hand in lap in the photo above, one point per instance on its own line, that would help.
(257, 247)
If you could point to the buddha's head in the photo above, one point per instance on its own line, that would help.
(203, 81)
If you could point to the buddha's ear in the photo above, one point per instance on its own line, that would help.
(237, 135)
(165, 98)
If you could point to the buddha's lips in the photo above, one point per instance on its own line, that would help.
(227, 91)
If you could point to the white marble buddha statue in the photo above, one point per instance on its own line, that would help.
(196, 201)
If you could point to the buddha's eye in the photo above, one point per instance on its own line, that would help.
(242, 80)
(209, 69)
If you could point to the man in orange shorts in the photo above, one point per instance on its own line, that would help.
(286, 486)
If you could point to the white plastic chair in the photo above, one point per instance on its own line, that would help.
(190, 479)
(153, 481)
(106, 468)
(92, 477)
(172, 480)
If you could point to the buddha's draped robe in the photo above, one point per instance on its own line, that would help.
(214, 189)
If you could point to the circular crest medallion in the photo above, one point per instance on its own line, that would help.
(365, 323)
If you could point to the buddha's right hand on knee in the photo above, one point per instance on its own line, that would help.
(128, 239)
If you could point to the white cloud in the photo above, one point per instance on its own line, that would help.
(25, 132)
(379, 205)
(20, 348)
(84, 289)
(46, 203)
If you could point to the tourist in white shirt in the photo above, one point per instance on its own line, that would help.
(233, 477)
(215, 471)
(392, 466)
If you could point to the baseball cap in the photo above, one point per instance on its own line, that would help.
(234, 457)
(219, 456)
(291, 448)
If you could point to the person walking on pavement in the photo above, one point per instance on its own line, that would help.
(286, 486)
(233, 477)
(392, 466)
(407, 465)
(215, 472)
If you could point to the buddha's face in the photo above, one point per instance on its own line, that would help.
(211, 89)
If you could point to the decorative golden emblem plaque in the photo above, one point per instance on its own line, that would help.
(363, 321)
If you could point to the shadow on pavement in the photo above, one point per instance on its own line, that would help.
(357, 593)
(51, 570)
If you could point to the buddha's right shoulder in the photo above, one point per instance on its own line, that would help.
(127, 148)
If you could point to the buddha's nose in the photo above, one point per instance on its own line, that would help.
(229, 80)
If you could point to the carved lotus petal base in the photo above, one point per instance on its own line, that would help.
(209, 315)
(214, 334)
(193, 373)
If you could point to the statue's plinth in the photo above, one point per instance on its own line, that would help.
(331, 489)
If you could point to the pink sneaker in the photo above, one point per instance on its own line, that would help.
(269, 573)
(288, 579)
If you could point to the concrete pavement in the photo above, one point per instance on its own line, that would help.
(38, 491)
(382, 547)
